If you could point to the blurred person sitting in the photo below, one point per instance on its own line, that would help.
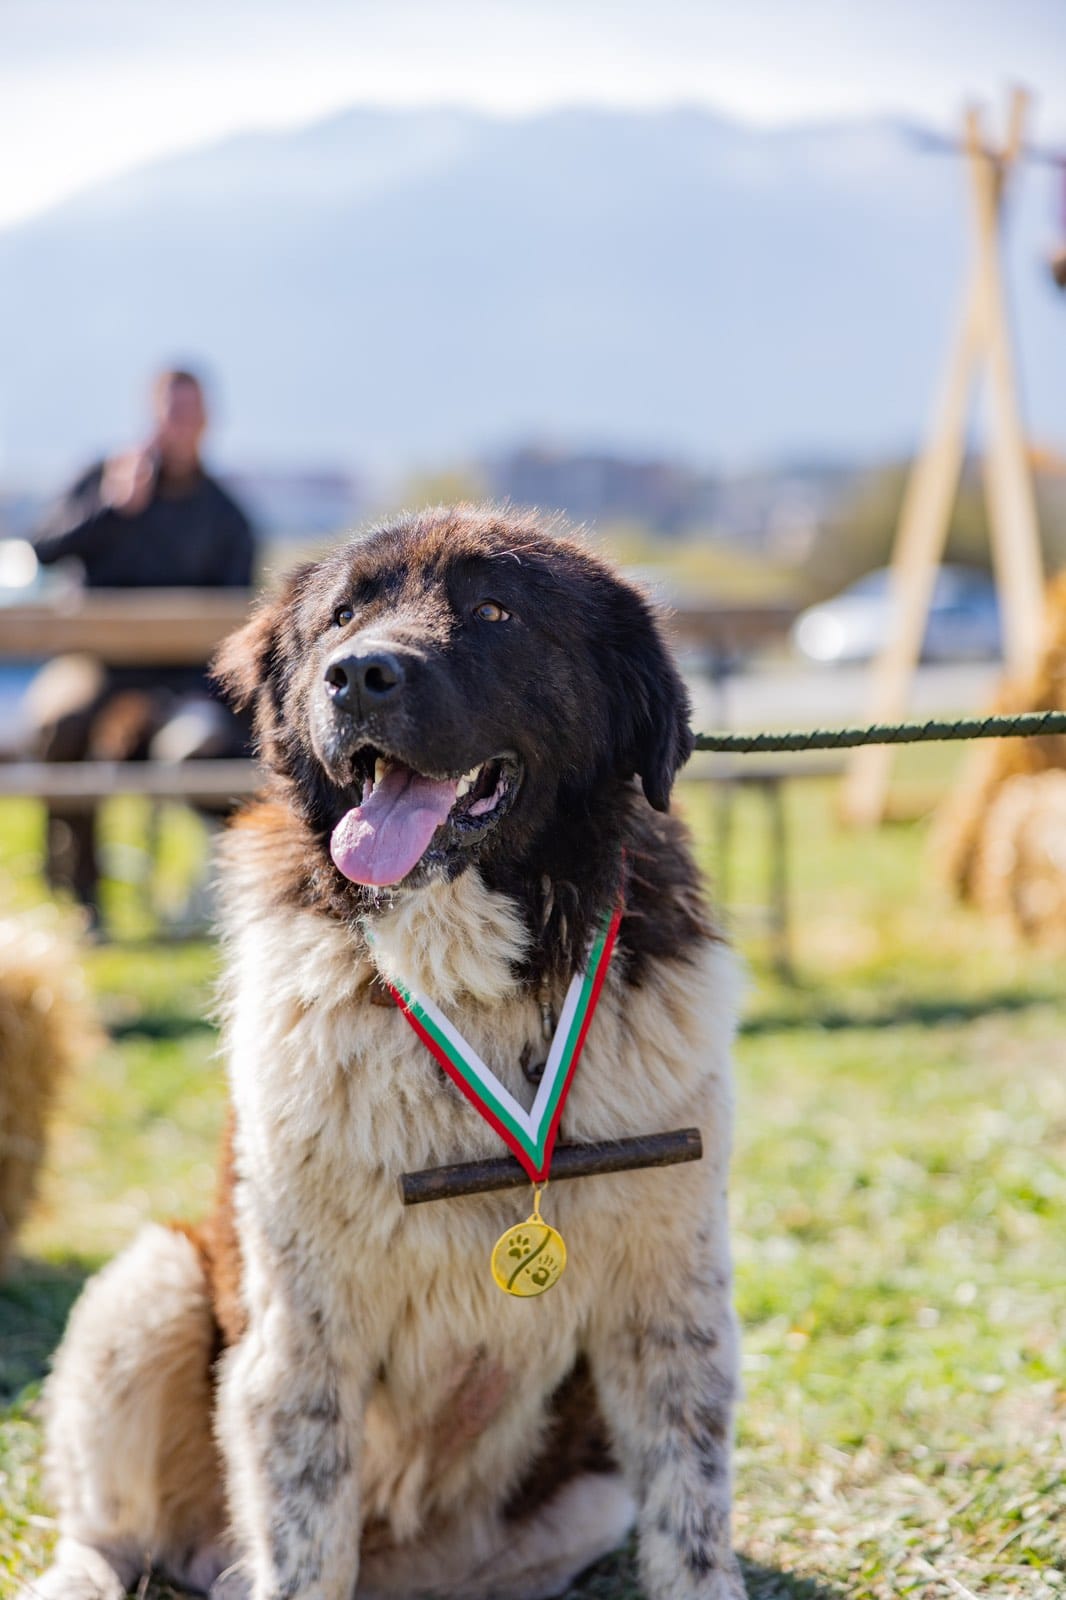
(150, 518)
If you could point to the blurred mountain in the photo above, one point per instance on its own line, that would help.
(387, 287)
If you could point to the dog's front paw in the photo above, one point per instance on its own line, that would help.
(233, 1584)
(730, 1582)
(688, 1569)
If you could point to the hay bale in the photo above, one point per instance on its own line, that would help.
(958, 838)
(1021, 870)
(45, 1026)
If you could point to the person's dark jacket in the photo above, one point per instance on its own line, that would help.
(197, 538)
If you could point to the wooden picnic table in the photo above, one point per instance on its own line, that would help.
(81, 785)
(183, 627)
(727, 629)
(125, 627)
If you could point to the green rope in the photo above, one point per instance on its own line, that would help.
(1027, 725)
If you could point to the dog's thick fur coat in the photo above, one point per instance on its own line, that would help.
(318, 1394)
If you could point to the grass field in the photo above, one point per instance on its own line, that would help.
(899, 1206)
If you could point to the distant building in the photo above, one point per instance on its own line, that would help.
(296, 504)
(600, 488)
(778, 510)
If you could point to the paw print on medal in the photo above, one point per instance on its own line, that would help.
(528, 1259)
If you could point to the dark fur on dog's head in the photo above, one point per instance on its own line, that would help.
(480, 640)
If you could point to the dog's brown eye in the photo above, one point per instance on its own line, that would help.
(342, 616)
(491, 611)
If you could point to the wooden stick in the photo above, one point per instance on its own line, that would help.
(568, 1161)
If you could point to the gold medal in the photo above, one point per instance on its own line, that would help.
(530, 1257)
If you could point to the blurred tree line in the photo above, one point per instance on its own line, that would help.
(852, 532)
(858, 533)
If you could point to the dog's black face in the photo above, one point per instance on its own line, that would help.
(460, 686)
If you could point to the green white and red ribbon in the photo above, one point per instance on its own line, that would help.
(529, 1134)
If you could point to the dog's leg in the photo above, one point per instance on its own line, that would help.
(289, 1416)
(130, 1458)
(664, 1361)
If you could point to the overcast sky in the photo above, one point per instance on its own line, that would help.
(91, 87)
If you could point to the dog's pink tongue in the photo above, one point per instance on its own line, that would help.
(381, 840)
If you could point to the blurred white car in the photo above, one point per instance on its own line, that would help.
(963, 624)
(20, 581)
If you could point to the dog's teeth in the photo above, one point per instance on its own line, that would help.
(466, 782)
(381, 766)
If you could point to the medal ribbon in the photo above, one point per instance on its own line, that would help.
(530, 1135)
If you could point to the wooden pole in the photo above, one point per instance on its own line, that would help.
(925, 515)
(923, 523)
(1012, 511)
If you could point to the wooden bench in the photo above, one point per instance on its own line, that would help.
(125, 627)
(726, 779)
(215, 786)
(184, 627)
(84, 784)
(75, 784)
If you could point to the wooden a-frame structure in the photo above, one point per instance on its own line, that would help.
(982, 341)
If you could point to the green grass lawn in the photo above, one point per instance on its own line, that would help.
(899, 1205)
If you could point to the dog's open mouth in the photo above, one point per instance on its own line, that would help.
(402, 812)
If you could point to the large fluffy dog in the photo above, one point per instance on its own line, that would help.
(320, 1393)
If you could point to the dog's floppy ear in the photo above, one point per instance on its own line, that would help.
(652, 707)
(244, 660)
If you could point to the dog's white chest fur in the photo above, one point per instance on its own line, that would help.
(326, 1083)
(336, 1097)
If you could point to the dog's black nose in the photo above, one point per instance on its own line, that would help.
(360, 684)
